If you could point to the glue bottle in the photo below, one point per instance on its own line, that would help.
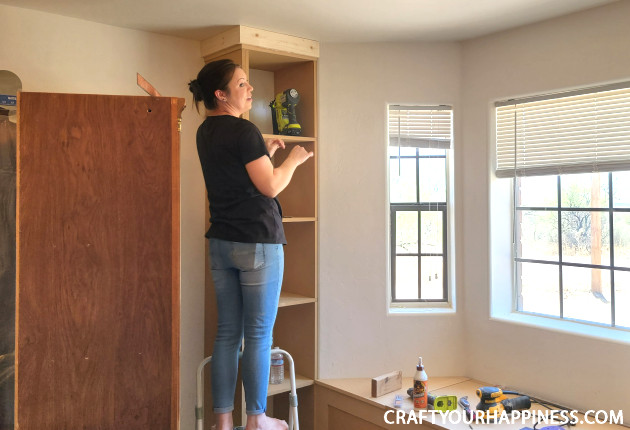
(420, 387)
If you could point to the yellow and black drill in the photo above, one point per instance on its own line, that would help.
(283, 113)
(493, 401)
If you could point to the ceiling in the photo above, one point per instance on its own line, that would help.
(322, 20)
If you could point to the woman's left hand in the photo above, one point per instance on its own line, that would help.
(273, 144)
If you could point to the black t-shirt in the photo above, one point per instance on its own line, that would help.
(238, 211)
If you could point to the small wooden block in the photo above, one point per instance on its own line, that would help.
(386, 383)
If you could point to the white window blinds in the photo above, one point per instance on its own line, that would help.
(420, 126)
(573, 132)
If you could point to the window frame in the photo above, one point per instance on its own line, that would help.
(501, 265)
(609, 211)
(419, 208)
(504, 302)
(447, 303)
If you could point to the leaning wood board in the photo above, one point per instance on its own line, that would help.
(97, 262)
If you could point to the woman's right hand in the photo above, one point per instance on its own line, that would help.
(299, 155)
(270, 180)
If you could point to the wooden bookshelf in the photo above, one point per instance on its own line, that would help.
(276, 62)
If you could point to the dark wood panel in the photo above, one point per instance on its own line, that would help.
(95, 262)
(7, 268)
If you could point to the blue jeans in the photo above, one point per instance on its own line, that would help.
(247, 279)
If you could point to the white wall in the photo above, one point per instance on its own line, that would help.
(573, 51)
(356, 336)
(56, 54)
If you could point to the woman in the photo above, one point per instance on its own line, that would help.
(245, 237)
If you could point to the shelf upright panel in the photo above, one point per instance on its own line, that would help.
(275, 62)
(241, 57)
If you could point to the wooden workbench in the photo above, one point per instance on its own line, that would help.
(346, 404)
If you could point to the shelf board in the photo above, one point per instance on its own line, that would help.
(285, 387)
(292, 299)
(276, 47)
(271, 61)
(299, 219)
(290, 139)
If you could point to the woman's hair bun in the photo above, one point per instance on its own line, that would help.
(195, 88)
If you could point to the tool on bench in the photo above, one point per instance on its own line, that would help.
(443, 403)
(439, 403)
(465, 404)
(493, 401)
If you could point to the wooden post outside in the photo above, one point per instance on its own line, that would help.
(596, 236)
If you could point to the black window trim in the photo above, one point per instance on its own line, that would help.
(419, 207)
(610, 210)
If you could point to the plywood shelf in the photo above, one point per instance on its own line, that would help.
(292, 299)
(299, 219)
(272, 61)
(285, 387)
(290, 139)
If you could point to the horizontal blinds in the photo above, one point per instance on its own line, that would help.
(420, 126)
(578, 132)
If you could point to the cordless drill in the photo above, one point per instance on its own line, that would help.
(493, 401)
(283, 115)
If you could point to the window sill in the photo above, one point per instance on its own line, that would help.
(578, 328)
(421, 309)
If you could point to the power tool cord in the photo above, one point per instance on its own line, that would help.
(567, 423)
(545, 404)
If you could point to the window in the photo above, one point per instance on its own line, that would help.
(569, 157)
(419, 143)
